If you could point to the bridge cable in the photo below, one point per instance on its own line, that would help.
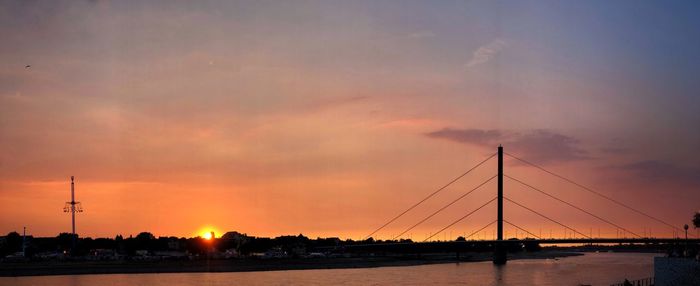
(473, 233)
(592, 191)
(546, 217)
(429, 196)
(572, 205)
(446, 206)
(460, 219)
(520, 228)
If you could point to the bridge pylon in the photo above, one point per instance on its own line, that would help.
(500, 255)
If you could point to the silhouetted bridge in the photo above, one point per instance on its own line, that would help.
(465, 246)
(499, 245)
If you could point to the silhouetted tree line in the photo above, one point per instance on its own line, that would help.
(11, 244)
(370, 246)
(233, 242)
(145, 241)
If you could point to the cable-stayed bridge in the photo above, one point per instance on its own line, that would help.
(500, 244)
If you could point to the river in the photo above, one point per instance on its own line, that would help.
(591, 268)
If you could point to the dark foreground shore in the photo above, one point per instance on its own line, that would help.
(240, 265)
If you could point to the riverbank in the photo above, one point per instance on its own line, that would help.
(245, 265)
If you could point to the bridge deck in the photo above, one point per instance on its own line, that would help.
(470, 244)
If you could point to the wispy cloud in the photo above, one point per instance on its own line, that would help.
(330, 103)
(486, 52)
(542, 146)
(469, 136)
(411, 123)
(421, 35)
(660, 171)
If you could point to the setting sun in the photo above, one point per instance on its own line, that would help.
(207, 232)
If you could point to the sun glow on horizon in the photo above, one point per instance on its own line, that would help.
(208, 232)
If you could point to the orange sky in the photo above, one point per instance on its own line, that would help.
(330, 118)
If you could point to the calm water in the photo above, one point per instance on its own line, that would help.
(594, 268)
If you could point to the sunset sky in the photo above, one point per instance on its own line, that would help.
(328, 118)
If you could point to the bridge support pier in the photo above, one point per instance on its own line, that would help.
(500, 255)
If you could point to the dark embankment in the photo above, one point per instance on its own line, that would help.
(239, 265)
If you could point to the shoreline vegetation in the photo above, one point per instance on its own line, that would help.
(250, 265)
(67, 254)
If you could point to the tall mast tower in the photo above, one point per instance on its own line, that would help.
(73, 207)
